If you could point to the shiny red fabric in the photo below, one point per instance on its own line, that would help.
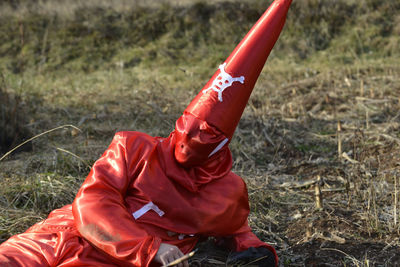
(246, 60)
(137, 169)
(52, 242)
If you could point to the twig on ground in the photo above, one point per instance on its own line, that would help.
(344, 155)
(72, 154)
(36, 136)
(318, 194)
(182, 259)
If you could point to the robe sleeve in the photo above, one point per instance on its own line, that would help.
(101, 216)
(244, 238)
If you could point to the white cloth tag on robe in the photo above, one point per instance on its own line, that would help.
(220, 145)
(149, 206)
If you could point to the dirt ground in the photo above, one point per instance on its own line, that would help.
(288, 157)
(318, 144)
(356, 224)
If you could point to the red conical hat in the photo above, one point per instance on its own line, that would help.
(223, 99)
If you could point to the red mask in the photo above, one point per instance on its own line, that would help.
(196, 141)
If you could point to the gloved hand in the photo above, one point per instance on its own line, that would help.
(260, 256)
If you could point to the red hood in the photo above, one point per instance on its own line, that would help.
(215, 167)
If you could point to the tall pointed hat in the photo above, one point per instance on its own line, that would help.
(222, 100)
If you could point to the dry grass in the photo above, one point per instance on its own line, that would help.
(359, 195)
(287, 137)
(67, 9)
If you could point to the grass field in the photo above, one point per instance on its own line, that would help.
(324, 115)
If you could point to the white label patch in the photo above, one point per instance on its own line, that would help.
(149, 206)
(223, 81)
(220, 145)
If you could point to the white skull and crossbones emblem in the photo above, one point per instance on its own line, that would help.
(223, 81)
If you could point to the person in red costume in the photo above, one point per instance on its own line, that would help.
(148, 200)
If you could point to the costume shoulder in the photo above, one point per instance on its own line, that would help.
(138, 147)
(236, 188)
(133, 139)
(236, 180)
(233, 188)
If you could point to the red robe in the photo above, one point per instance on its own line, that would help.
(135, 197)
